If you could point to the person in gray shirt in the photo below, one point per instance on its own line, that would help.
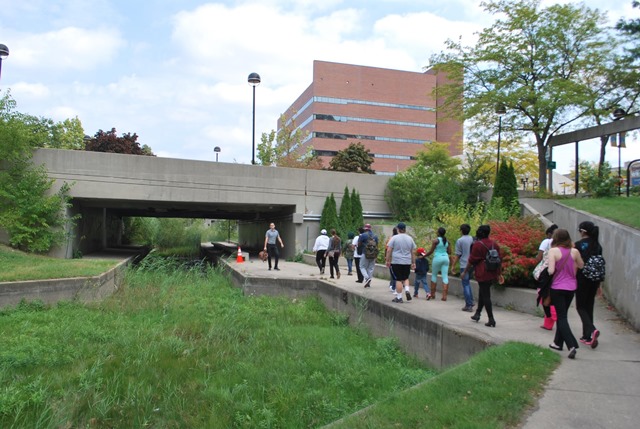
(271, 246)
(462, 252)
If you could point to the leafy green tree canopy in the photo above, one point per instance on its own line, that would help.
(535, 62)
(354, 159)
(283, 148)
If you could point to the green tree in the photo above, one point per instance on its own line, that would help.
(505, 190)
(532, 61)
(68, 134)
(356, 210)
(353, 159)
(345, 215)
(436, 157)
(416, 193)
(284, 147)
(475, 175)
(595, 183)
(32, 217)
(631, 28)
(329, 216)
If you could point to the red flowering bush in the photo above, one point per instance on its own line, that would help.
(519, 239)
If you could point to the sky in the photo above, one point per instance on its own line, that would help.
(175, 71)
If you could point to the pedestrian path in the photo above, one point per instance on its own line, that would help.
(598, 389)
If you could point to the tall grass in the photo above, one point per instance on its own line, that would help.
(182, 348)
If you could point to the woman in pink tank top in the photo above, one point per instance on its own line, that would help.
(564, 262)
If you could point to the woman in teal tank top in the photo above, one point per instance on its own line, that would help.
(441, 249)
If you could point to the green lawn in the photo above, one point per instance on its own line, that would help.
(19, 266)
(184, 349)
(618, 209)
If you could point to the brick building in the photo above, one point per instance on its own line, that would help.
(391, 112)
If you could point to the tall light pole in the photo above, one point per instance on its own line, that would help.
(4, 53)
(217, 151)
(254, 80)
(617, 115)
(500, 110)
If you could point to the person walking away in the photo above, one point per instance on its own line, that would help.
(588, 246)
(564, 262)
(550, 316)
(401, 258)
(422, 267)
(320, 248)
(392, 277)
(440, 248)
(271, 238)
(335, 243)
(462, 252)
(368, 260)
(485, 275)
(348, 251)
(357, 256)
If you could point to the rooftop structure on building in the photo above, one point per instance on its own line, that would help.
(391, 112)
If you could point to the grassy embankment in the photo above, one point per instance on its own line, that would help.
(618, 209)
(19, 266)
(176, 348)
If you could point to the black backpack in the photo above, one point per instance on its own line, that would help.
(492, 261)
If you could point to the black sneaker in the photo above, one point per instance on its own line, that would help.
(277, 269)
(408, 295)
(572, 353)
(367, 283)
(397, 300)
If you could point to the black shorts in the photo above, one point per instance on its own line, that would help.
(401, 272)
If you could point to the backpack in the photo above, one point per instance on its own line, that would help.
(371, 248)
(492, 261)
(594, 268)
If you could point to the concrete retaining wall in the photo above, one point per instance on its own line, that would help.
(621, 250)
(517, 299)
(85, 289)
(430, 341)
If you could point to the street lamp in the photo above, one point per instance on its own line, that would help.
(217, 151)
(254, 80)
(4, 53)
(500, 110)
(617, 115)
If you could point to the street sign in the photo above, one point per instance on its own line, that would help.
(551, 165)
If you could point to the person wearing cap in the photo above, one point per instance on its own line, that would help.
(402, 259)
(422, 267)
(366, 265)
(320, 248)
(462, 252)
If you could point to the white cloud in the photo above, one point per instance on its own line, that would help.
(70, 48)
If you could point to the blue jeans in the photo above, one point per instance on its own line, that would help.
(466, 288)
(349, 265)
(421, 278)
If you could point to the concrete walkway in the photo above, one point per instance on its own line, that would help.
(599, 389)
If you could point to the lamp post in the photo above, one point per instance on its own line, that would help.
(217, 151)
(524, 181)
(4, 53)
(254, 80)
(500, 110)
(617, 115)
